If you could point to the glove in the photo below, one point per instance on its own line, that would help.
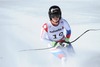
(55, 44)
(64, 44)
(66, 39)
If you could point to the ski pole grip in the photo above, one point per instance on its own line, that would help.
(67, 42)
(55, 44)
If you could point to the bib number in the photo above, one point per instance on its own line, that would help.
(60, 34)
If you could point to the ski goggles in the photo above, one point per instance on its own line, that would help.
(55, 15)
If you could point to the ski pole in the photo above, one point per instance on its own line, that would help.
(69, 42)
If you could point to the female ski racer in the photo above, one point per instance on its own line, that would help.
(57, 33)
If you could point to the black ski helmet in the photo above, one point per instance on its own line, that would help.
(54, 11)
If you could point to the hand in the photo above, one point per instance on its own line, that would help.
(55, 44)
(64, 44)
(66, 39)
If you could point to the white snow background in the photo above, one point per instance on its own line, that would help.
(20, 26)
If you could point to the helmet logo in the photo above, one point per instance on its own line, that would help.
(54, 10)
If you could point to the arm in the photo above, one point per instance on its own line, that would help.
(44, 35)
(68, 30)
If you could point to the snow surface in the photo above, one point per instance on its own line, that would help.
(20, 25)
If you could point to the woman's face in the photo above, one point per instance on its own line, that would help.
(55, 20)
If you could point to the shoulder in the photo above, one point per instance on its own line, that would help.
(63, 20)
(45, 27)
(65, 23)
